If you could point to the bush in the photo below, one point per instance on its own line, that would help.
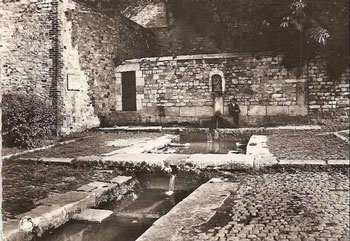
(26, 120)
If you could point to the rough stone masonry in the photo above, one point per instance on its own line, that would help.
(179, 89)
(66, 53)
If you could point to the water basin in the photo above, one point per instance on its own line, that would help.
(132, 220)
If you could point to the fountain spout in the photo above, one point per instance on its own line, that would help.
(174, 169)
(174, 172)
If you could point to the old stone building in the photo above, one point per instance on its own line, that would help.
(66, 52)
(96, 67)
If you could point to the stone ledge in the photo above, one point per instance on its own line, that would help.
(197, 56)
(302, 162)
(224, 161)
(194, 210)
(338, 162)
(93, 215)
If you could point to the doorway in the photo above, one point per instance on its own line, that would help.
(129, 91)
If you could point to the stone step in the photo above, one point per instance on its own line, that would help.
(93, 215)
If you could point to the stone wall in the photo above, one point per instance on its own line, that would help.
(325, 94)
(66, 52)
(178, 89)
(27, 35)
(103, 42)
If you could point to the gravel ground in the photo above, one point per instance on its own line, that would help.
(94, 143)
(308, 145)
(297, 205)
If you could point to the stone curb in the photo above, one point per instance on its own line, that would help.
(42, 148)
(224, 161)
(343, 138)
(49, 159)
(60, 208)
(160, 128)
(198, 208)
(314, 162)
(144, 146)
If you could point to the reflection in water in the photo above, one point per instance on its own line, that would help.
(204, 147)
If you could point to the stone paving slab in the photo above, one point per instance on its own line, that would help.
(197, 208)
(338, 162)
(144, 146)
(93, 215)
(229, 161)
(121, 179)
(48, 159)
(302, 162)
(300, 127)
(258, 149)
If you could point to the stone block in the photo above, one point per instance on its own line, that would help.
(257, 110)
(138, 74)
(140, 81)
(338, 162)
(93, 215)
(121, 179)
(204, 111)
(128, 67)
(244, 110)
(118, 90)
(277, 110)
(172, 111)
(298, 110)
(187, 111)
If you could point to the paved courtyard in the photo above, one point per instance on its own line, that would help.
(281, 202)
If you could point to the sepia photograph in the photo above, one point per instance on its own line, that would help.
(174, 120)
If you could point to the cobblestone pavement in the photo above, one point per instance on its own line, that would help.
(282, 206)
(308, 145)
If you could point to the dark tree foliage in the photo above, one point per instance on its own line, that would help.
(299, 29)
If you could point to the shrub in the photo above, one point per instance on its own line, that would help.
(26, 120)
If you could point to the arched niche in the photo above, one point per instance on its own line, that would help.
(217, 81)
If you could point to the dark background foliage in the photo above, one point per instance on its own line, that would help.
(299, 29)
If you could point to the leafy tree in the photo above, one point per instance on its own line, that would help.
(300, 29)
